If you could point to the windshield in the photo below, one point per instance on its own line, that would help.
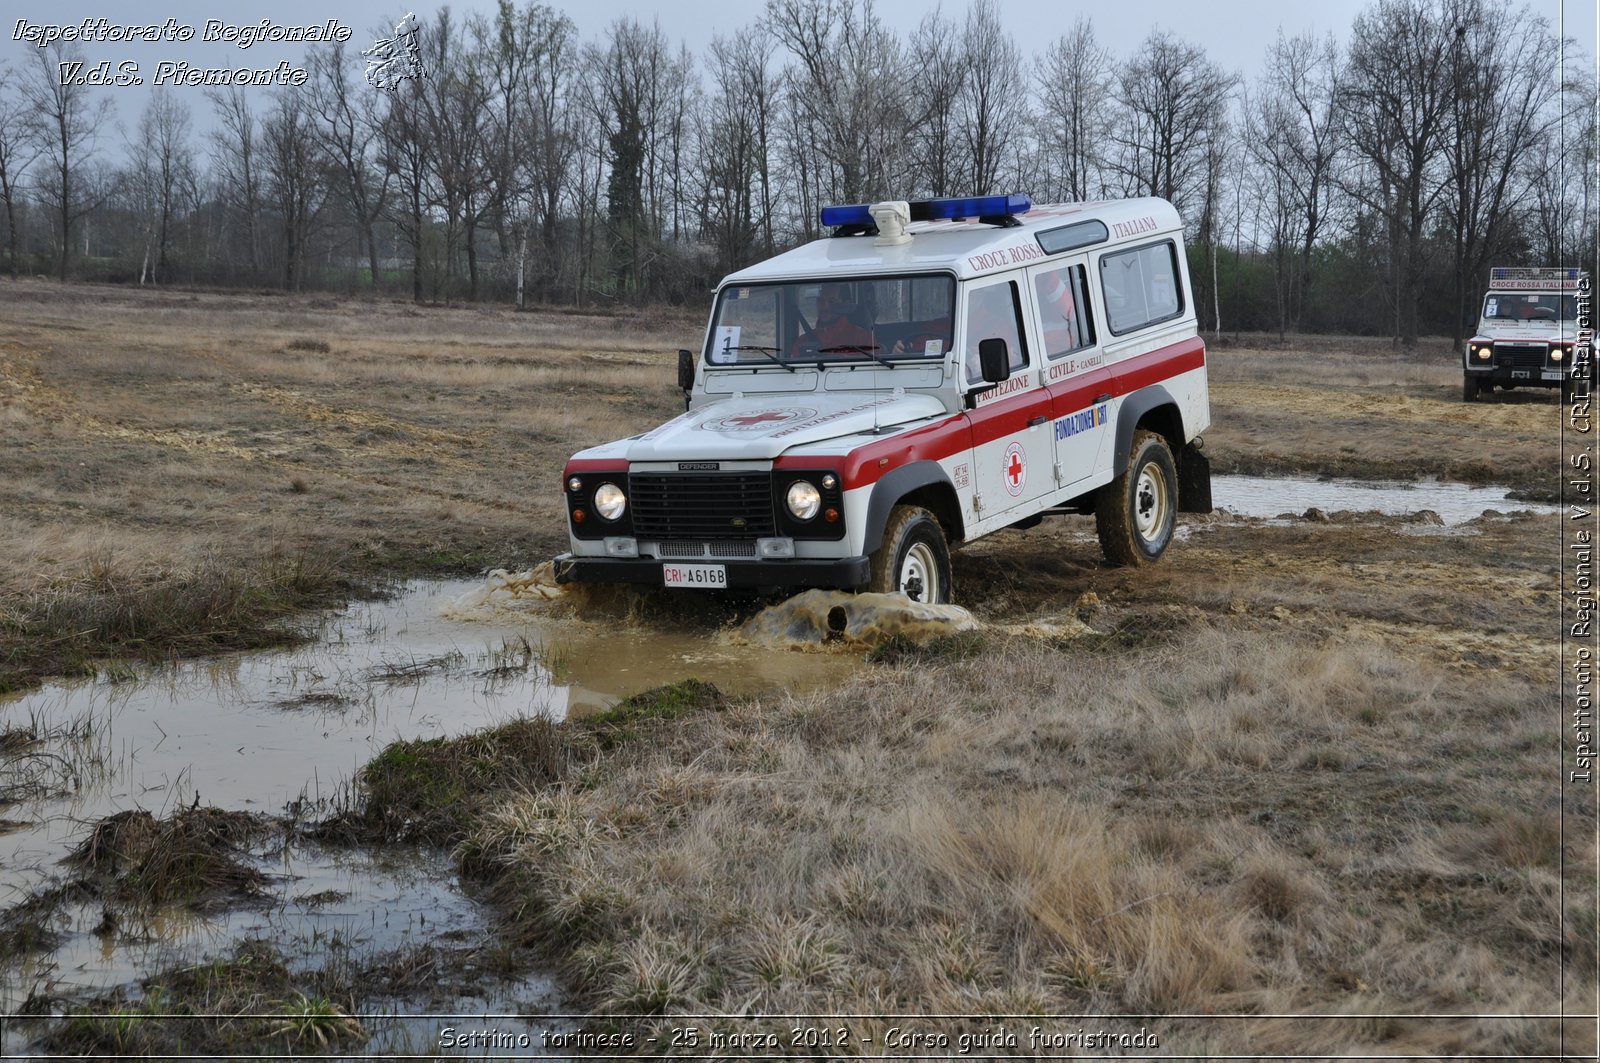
(853, 320)
(1519, 307)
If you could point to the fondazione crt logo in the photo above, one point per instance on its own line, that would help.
(170, 31)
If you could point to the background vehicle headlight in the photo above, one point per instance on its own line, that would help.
(609, 501)
(804, 499)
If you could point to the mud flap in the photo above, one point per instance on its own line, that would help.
(1194, 480)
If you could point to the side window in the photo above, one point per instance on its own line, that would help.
(1064, 321)
(1141, 286)
(994, 312)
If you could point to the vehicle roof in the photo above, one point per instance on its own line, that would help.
(968, 248)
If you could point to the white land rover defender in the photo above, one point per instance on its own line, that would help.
(932, 372)
(1526, 332)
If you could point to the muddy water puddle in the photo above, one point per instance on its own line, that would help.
(1455, 503)
(281, 734)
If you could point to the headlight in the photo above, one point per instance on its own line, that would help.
(804, 500)
(1556, 353)
(609, 501)
(1483, 353)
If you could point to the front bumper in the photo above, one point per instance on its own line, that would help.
(1545, 376)
(845, 573)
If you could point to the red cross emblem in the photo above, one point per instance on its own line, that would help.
(758, 418)
(1016, 468)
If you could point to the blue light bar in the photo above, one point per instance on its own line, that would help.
(978, 207)
(850, 214)
(985, 207)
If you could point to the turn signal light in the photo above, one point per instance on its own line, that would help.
(578, 516)
(830, 515)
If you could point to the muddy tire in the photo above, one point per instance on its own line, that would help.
(1470, 387)
(913, 558)
(1135, 513)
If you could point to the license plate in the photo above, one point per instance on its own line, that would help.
(1552, 374)
(712, 577)
(1521, 374)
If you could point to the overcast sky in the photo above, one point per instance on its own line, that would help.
(1234, 34)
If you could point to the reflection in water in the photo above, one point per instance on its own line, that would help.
(266, 732)
(1455, 503)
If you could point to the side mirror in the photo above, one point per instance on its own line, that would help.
(686, 370)
(994, 361)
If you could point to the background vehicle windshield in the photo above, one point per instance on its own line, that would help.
(853, 320)
(1525, 307)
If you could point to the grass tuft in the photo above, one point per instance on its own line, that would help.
(431, 789)
(189, 858)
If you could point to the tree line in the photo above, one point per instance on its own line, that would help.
(1363, 187)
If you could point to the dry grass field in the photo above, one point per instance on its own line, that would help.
(1302, 767)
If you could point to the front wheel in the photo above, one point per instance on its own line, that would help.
(914, 558)
(1135, 513)
(1470, 386)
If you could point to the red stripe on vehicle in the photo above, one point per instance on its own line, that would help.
(594, 465)
(1010, 416)
(1159, 364)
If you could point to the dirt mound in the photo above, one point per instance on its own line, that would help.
(815, 617)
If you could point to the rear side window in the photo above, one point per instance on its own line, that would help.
(1064, 322)
(1141, 286)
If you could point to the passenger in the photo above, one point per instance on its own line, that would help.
(838, 322)
(1058, 311)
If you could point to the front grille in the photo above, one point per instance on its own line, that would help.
(678, 551)
(1520, 355)
(708, 506)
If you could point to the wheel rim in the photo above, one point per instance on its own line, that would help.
(1151, 502)
(919, 574)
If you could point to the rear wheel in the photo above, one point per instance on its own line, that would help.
(1135, 513)
(914, 558)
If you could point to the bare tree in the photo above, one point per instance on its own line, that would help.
(641, 106)
(1561, 171)
(991, 104)
(544, 171)
(1504, 88)
(405, 152)
(1074, 84)
(293, 168)
(940, 68)
(236, 166)
(1395, 98)
(18, 149)
(734, 144)
(346, 127)
(1295, 140)
(851, 93)
(456, 107)
(66, 125)
(1173, 101)
(163, 172)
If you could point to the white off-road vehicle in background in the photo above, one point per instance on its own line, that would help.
(932, 372)
(1527, 331)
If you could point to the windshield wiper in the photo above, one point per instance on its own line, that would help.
(770, 352)
(856, 348)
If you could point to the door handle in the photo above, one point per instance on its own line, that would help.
(1034, 422)
(1103, 398)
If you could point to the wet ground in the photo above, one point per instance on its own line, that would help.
(1271, 496)
(283, 733)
